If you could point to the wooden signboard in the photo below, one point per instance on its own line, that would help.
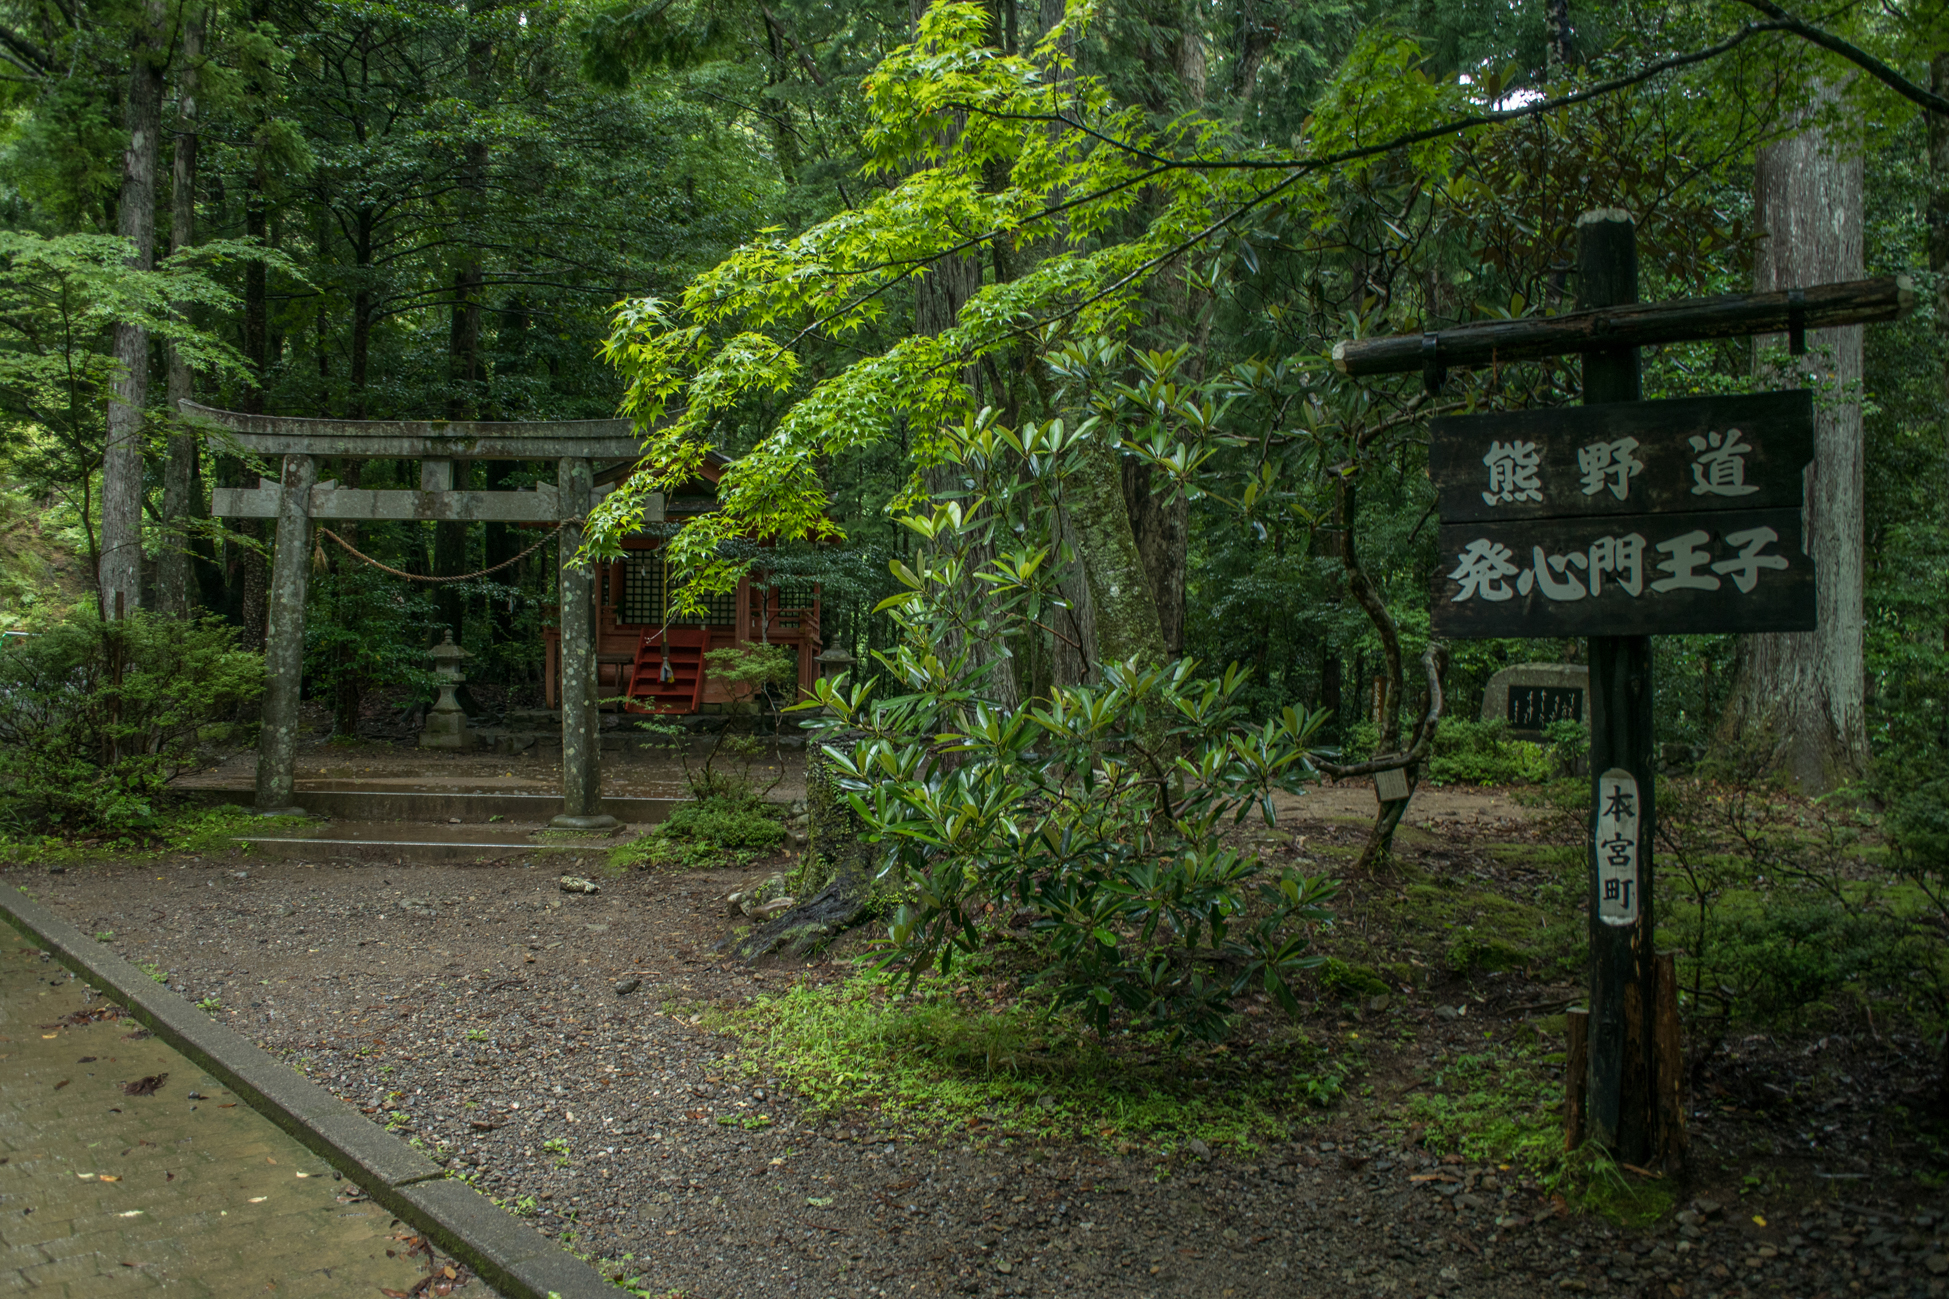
(1627, 519)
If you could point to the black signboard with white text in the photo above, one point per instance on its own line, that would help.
(1630, 519)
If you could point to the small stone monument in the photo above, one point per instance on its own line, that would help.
(446, 721)
(1530, 696)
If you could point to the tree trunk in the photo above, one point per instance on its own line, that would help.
(1180, 313)
(1797, 705)
(1123, 612)
(179, 470)
(1556, 38)
(119, 578)
(1160, 525)
(1938, 216)
(463, 394)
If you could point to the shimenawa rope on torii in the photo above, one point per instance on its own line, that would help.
(318, 558)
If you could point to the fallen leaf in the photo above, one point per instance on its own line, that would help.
(48, 1037)
(63, 1083)
(89, 1059)
(109, 1177)
(259, 1199)
(145, 1086)
(231, 1106)
(132, 1213)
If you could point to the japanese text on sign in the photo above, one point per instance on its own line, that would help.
(1617, 847)
(1488, 570)
(1718, 468)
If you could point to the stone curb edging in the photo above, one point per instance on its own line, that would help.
(510, 1255)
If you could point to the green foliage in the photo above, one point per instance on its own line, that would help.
(1500, 1105)
(365, 629)
(928, 1059)
(1099, 814)
(96, 719)
(750, 667)
(1338, 978)
(725, 824)
(714, 831)
(1786, 912)
(1482, 753)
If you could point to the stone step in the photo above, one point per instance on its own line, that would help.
(433, 805)
(392, 842)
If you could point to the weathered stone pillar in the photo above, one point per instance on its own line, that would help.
(284, 640)
(581, 724)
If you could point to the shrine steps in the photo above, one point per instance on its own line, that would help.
(434, 806)
(403, 843)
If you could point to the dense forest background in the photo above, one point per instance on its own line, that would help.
(420, 210)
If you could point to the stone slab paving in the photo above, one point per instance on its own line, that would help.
(187, 1191)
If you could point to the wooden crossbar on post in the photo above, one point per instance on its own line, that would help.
(1637, 324)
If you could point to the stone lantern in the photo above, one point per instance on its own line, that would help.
(446, 722)
(834, 662)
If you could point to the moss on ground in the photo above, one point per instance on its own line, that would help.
(931, 1061)
(198, 830)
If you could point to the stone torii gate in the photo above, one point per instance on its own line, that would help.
(298, 498)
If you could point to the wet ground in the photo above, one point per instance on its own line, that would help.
(475, 1008)
(125, 1169)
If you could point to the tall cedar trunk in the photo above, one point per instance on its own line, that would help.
(119, 577)
(255, 578)
(361, 314)
(1123, 614)
(939, 295)
(180, 500)
(1073, 650)
(1160, 517)
(464, 384)
(1797, 704)
(1939, 263)
(348, 698)
(465, 373)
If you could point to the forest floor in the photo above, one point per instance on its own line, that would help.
(802, 1129)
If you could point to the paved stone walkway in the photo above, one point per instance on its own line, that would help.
(186, 1190)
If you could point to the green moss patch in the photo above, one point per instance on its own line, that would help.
(938, 1061)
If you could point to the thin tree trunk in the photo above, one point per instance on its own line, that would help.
(1797, 705)
(255, 585)
(119, 578)
(1160, 524)
(1556, 38)
(361, 315)
(179, 501)
(1939, 263)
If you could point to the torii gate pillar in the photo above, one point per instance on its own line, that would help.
(284, 638)
(581, 722)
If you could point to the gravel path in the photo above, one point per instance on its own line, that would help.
(476, 1008)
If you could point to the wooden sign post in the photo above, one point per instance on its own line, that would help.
(1620, 520)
